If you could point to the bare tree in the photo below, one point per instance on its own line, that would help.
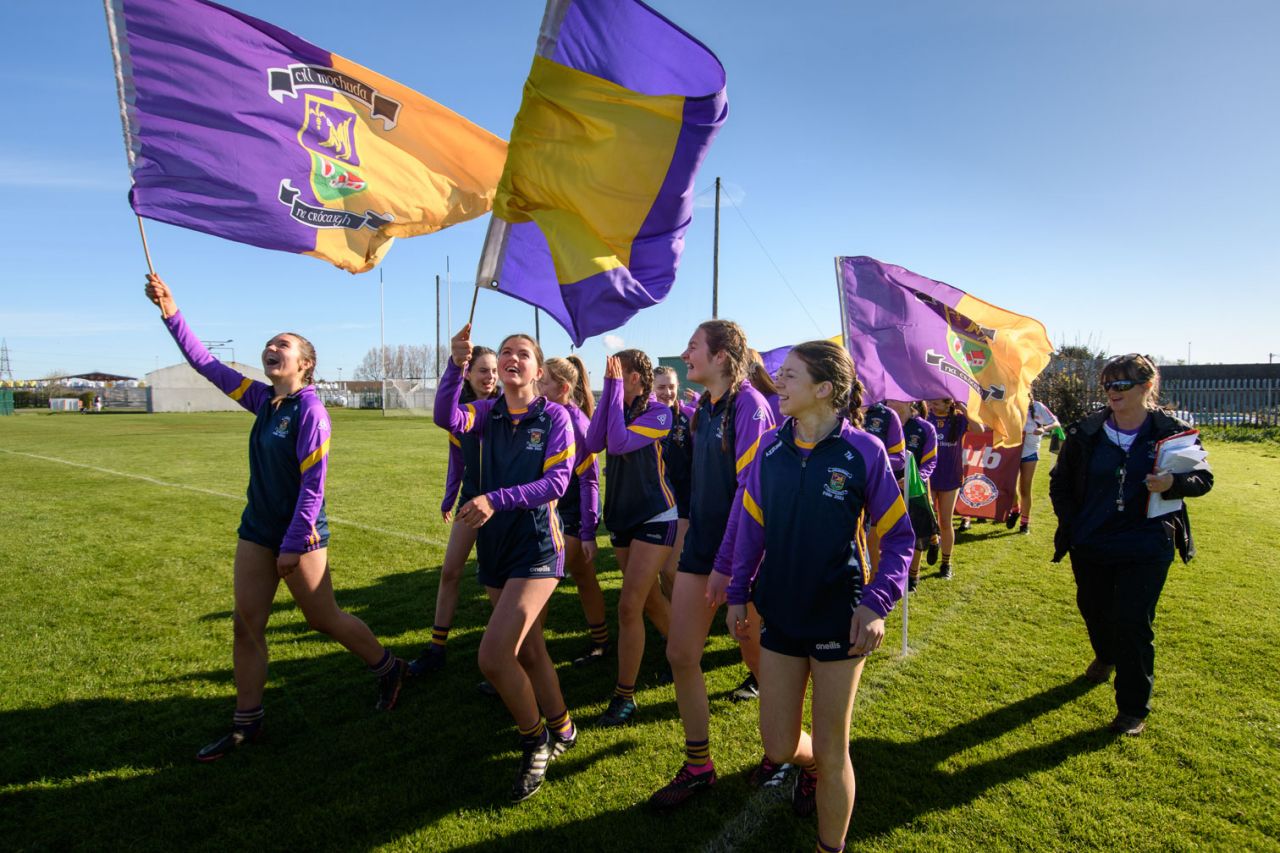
(403, 361)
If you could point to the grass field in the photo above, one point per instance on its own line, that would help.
(115, 591)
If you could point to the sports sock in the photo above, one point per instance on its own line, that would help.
(823, 848)
(697, 754)
(248, 721)
(626, 691)
(535, 736)
(599, 633)
(562, 725)
(385, 665)
(946, 561)
(439, 636)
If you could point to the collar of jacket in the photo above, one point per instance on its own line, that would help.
(1162, 423)
(787, 434)
(536, 408)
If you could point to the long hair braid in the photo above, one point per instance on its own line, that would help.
(582, 388)
(634, 360)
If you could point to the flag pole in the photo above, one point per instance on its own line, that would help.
(123, 87)
(844, 311)
(382, 338)
(436, 359)
(715, 261)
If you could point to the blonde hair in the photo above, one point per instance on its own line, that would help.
(1138, 368)
(572, 372)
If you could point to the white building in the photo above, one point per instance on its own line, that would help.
(178, 388)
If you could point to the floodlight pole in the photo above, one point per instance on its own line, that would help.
(715, 261)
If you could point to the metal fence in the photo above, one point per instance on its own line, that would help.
(1225, 401)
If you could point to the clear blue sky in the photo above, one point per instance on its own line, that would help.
(1108, 168)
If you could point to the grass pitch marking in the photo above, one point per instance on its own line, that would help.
(168, 485)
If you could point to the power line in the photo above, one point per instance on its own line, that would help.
(776, 268)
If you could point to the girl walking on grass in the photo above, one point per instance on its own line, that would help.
(808, 488)
(727, 424)
(639, 510)
(462, 483)
(526, 460)
(564, 381)
(284, 532)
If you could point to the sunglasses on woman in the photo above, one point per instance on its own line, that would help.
(1119, 385)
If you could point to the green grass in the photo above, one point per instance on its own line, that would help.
(115, 662)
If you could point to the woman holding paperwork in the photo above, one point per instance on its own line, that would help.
(1100, 488)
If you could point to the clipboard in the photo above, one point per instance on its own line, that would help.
(1175, 454)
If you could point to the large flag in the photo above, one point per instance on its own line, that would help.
(618, 112)
(240, 129)
(913, 338)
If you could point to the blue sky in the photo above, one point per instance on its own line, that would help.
(1108, 168)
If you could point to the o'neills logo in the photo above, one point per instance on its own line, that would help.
(827, 647)
(286, 81)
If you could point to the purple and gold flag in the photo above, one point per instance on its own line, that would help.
(913, 338)
(618, 112)
(237, 128)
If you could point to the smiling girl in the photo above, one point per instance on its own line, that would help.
(284, 532)
(526, 460)
(808, 487)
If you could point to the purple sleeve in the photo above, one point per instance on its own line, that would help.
(453, 479)
(248, 393)
(446, 412)
(752, 418)
(928, 453)
(587, 468)
(748, 541)
(651, 425)
(687, 410)
(598, 431)
(888, 515)
(896, 444)
(313, 461)
(556, 469)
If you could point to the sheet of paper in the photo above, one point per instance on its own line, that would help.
(1177, 454)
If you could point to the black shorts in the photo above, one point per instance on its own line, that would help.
(653, 532)
(824, 650)
(571, 522)
(498, 577)
(272, 535)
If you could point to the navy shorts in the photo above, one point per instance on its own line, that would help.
(653, 532)
(825, 650)
(272, 535)
(1034, 457)
(498, 577)
(571, 522)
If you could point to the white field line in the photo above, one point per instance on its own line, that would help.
(153, 481)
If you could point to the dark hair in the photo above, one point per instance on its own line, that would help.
(635, 360)
(306, 351)
(573, 373)
(726, 336)
(1139, 368)
(468, 392)
(830, 362)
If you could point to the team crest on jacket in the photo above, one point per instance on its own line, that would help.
(282, 428)
(535, 439)
(837, 481)
(875, 425)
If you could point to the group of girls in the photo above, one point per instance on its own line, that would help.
(705, 503)
(768, 518)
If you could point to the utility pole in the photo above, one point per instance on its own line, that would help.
(537, 326)
(382, 338)
(715, 261)
(437, 359)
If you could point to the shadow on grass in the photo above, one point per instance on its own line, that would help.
(907, 780)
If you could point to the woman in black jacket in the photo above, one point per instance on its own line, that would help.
(1120, 557)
